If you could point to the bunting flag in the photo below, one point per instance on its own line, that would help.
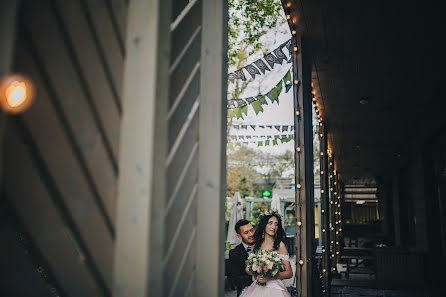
(278, 127)
(242, 137)
(239, 107)
(282, 138)
(261, 163)
(259, 67)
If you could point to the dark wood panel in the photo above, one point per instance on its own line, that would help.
(182, 246)
(183, 68)
(182, 190)
(71, 102)
(186, 273)
(182, 154)
(16, 263)
(183, 110)
(99, 17)
(93, 75)
(184, 29)
(43, 120)
(119, 12)
(104, 103)
(177, 7)
(28, 194)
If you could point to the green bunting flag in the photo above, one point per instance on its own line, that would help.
(232, 145)
(257, 103)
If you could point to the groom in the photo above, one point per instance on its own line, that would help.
(237, 256)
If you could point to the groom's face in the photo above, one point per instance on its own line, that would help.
(247, 234)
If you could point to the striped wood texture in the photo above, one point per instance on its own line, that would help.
(61, 155)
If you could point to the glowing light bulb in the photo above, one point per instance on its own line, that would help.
(16, 93)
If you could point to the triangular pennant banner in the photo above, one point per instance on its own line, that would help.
(262, 66)
(252, 70)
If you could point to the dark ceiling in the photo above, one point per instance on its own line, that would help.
(376, 78)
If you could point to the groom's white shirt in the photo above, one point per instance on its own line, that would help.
(245, 245)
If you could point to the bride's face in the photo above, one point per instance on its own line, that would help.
(272, 226)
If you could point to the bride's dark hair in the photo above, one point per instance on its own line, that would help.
(259, 233)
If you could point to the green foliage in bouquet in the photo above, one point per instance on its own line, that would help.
(264, 263)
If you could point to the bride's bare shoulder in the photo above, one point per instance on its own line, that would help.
(282, 249)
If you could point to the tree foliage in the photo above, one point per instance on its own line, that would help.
(249, 20)
(241, 179)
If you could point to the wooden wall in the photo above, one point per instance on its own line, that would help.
(129, 89)
(182, 157)
(61, 156)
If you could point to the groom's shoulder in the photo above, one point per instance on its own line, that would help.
(236, 250)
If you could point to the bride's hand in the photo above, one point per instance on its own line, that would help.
(261, 279)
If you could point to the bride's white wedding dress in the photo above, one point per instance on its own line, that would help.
(273, 288)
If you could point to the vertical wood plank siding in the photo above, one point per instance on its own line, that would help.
(61, 155)
(183, 148)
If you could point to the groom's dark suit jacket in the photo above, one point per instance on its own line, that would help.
(237, 274)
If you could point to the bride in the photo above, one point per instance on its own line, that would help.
(270, 235)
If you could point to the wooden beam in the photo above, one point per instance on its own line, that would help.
(8, 13)
(304, 168)
(138, 269)
(212, 162)
(325, 211)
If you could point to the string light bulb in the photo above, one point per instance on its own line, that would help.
(301, 262)
(16, 93)
(298, 149)
(293, 32)
(299, 223)
(296, 82)
(295, 48)
(299, 186)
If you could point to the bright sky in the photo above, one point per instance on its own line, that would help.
(273, 114)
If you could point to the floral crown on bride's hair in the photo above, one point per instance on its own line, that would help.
(270, 212)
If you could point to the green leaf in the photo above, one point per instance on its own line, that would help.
(274, 141)
(266, 142)
(230, 145)
(237, 144)
(260, 143)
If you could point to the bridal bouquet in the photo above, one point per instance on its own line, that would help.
(264, 263)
